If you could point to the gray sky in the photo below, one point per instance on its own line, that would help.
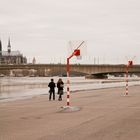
(42, 28)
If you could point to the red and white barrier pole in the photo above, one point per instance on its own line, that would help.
(75, 53)
(68, 83)
(68, 79)
(130, 63)
(126, 87)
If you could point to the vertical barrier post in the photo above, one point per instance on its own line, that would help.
(130, 63)
(68, 83)
(126, 87)
(75, 53)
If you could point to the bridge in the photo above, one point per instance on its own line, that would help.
(97, 71)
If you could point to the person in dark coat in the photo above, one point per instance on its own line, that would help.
(60, 86)
(52, 86)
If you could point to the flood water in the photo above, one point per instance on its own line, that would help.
(13, 88)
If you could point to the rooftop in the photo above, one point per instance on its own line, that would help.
(12, 53)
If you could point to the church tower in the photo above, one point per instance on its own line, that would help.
(0, 48)
(9, 46)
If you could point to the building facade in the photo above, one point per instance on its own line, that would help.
(11, 57)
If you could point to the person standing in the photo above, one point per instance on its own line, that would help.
(60, 86)
(52, 86)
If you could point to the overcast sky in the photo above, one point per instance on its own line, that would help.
(43, 28)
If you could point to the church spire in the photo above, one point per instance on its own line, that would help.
(0, 48)
(9, 46)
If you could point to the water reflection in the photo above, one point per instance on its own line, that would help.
(11, 87)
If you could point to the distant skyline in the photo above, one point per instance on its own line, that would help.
(43, 28)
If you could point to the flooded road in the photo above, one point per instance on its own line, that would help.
(13, 88)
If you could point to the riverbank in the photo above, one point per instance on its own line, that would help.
(12, 88)
(105, 114)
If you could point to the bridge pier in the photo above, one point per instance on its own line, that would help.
(98, 76)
